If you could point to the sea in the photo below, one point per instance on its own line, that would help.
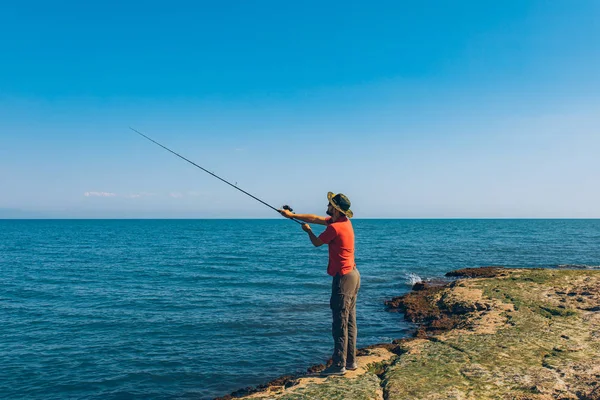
(195, 309)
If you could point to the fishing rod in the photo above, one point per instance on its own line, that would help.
(216, 176)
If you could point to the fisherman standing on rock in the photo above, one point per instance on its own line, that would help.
(339, 236)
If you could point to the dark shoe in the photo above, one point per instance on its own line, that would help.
(333, 370)
(352, 367)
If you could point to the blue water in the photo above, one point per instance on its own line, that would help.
(157, 309)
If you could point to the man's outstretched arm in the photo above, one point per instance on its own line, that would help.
(309, 218)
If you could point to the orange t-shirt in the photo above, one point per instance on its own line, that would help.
(339, 235)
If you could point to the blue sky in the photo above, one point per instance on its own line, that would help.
(435, 109)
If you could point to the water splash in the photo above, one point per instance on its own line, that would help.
(579, 266)
(412, 278)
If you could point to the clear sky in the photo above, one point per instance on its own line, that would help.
(413, 109)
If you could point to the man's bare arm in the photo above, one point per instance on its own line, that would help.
(308, 218)
(313, 238)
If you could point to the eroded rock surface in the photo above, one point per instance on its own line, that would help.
(523, 334)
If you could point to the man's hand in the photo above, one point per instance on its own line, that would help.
(286, 213)
(315, 240)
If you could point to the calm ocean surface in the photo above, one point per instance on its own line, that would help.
(193, 309)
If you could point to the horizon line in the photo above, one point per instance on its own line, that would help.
(274, 219)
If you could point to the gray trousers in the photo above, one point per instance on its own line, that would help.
(344, 290)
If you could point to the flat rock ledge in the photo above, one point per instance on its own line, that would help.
(526, 334)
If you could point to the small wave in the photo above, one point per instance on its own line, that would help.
(578, 266)
(412, 278)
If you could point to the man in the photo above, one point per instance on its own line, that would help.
(339, 236)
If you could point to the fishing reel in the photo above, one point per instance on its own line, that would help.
(286, 207)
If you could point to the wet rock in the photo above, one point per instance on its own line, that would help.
(419, 286)
(482, 272)
(417, 306)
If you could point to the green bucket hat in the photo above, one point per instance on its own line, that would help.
(341, 203)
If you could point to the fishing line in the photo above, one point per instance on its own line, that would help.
(216, 176)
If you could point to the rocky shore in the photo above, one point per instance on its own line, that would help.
(493, 333)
